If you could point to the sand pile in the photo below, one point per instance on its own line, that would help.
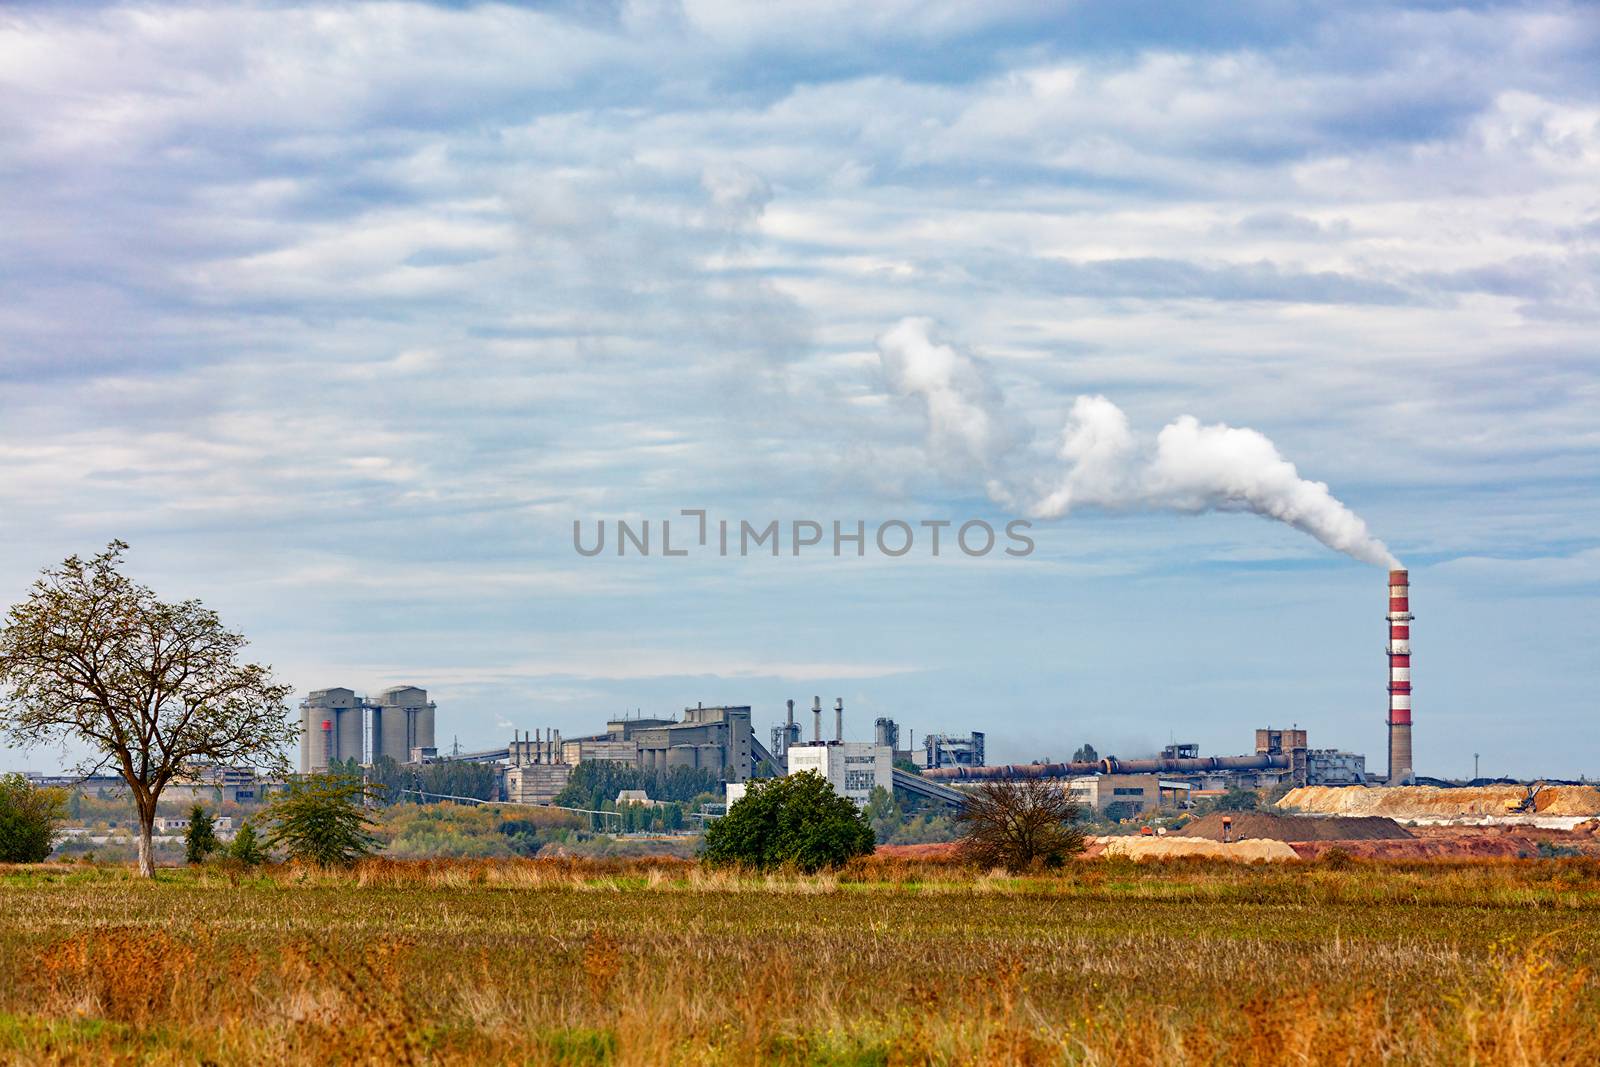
(1146, 848)
(1253, 825)
(1427, 801)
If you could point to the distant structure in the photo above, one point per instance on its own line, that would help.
(535, 772)
(716, 739)
(886, 732)
(337, 724)
(784, 736)
(946, 750)
(1312, 766)
(1282, 757)
(1401, 770)
(1135, 792)
(854, 768)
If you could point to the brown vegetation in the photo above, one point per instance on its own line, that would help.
(889, 961)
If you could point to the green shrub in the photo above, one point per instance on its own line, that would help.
(200, 839)
(29, 817)
(322, 818)
(246, 847)
(794, 821)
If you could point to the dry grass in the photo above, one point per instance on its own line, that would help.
(886, 962)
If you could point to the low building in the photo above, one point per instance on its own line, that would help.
(1329, 766)
(853, 768)
(536, 783)
(222, 825)
(1140, 792)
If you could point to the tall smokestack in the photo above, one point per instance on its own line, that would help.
(838, 718)
(816, 726)
(1400, 768)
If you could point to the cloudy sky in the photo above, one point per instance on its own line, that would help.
(342, 314)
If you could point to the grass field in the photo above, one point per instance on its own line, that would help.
(637, 963)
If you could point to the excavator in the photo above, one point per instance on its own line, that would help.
(1528, 804)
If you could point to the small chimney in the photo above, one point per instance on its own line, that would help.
(838, 719)
(816, 711)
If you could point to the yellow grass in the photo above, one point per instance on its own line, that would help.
(898, 962)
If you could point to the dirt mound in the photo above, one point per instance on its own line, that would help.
(931, 850)
(1148, 848)
(1428, 801)
(1253, 825)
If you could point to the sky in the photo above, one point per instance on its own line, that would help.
(343, 314)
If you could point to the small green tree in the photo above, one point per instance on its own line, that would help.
(796, 820)
(322, 818)
(200, 839)
(1085, 754)
(246, 847)
(29, 817)
(883, 813)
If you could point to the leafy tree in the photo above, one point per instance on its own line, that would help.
(149, 688)
(1237, 800)
(322, 818)
(796, 820)
(883, 813)
(200, 839)
(1085, 754)
(246, 847)
(29, 817)
(1019, 823)
(445, 778)
(903, 764)
(1118, 810)
(595, 783)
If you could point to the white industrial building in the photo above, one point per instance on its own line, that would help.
(853, 768)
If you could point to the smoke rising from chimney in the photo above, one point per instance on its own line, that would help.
(1101, 462)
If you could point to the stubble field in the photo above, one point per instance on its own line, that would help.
(887, 962)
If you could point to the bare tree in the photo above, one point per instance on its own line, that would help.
(1018, 823)
(151, 689)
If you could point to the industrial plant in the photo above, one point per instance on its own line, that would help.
(721, 741)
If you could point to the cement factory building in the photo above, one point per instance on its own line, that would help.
(337, 724)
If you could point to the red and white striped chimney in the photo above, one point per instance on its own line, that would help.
(1400, 769)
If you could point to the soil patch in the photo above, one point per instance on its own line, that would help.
(1422, 801)
(1255, 825)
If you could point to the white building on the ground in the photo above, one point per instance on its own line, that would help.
(854, 768)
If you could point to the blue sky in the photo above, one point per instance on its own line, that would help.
(341, 315)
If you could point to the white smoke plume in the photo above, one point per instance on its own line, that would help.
(1189, 467)
(969, 430)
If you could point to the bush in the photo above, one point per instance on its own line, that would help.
(29, 817)
(1019, 823)
(246, 847)
(200, 839)
(322, 818)
(795, 821)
